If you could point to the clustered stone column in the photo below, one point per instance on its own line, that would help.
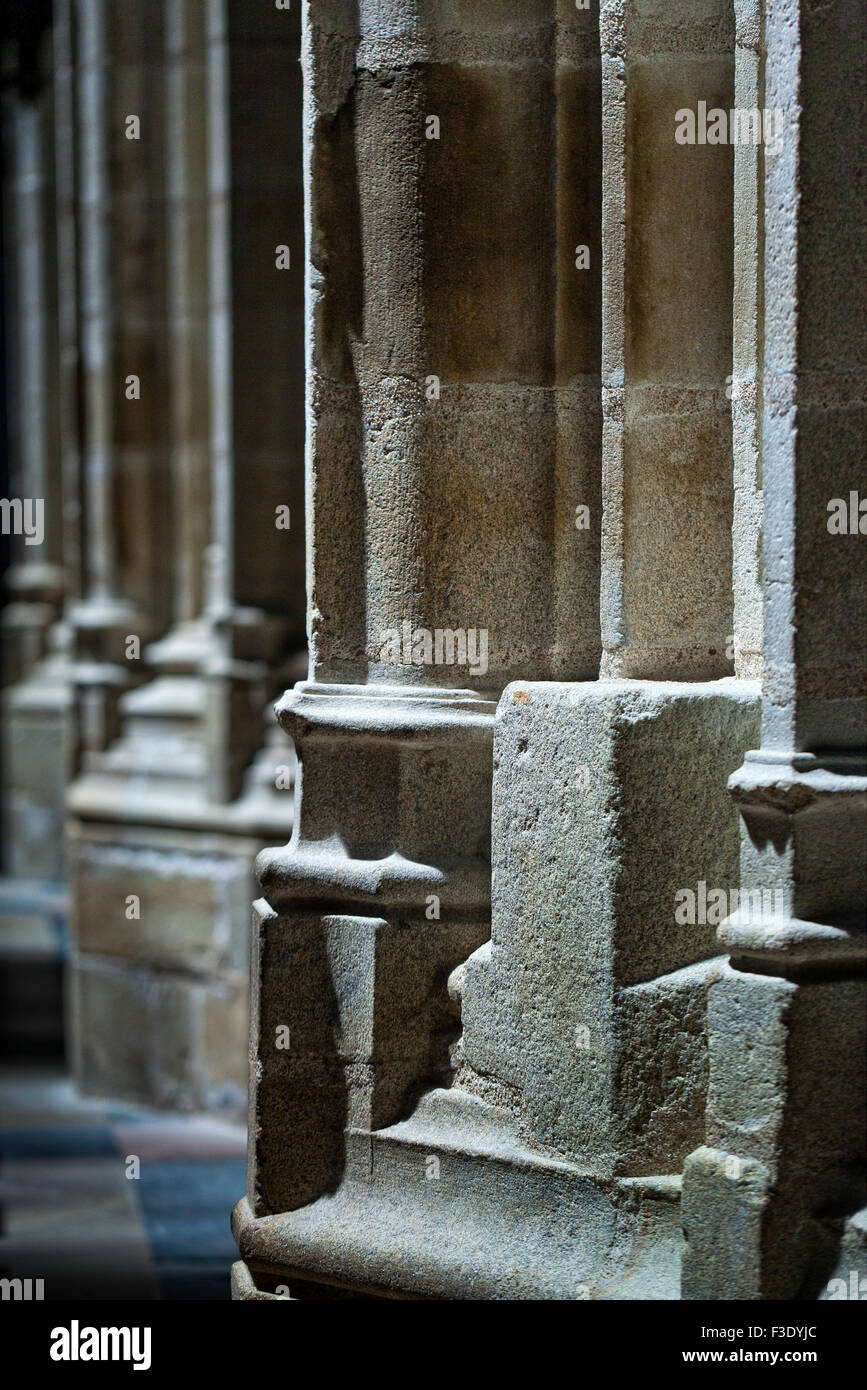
(770, 1198)
(451, 1104)
(419, 432)
(164, 428)
(558, 962)
(167, 820)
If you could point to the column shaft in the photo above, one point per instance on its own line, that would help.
(666, 349)
(768, 1198)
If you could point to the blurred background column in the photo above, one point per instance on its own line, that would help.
(166, 821)
(125, 590)
(38, 741)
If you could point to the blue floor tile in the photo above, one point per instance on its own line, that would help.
(57, 1141)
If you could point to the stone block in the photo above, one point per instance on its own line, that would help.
(784, 1162)
(158, 1039)
(350, 1017)
(111, 1021)
(38, 746)
(191, 906)
(590, 1000)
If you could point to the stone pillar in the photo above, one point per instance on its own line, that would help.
(166, 822)
(38, 742)
(770, 1198)
(585, 1017)
(253, 602)
(38, 735)
(171, 711)
(230, 428)
(453, 448)
(748, 346)
(123, 377)
(186, 134)
(34, 581)
(666, 353)
(69, 342)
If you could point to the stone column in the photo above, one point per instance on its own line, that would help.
(34, 581)
(748, 344)
(164, 746)
(186, 132)
(253, 602)
(38, 727)
(69, 342)
(121, 308)
(585, 1016)
(227, 429)
(769, 1199)
(667, 342)
(452, 437)
(173, 813)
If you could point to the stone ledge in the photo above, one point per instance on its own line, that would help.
(499, 1222)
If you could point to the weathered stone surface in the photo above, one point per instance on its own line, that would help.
(450, 1204)
(346, 1051)
(666, 348)
(157, 1038)
(187, 905)
(391, 850)
(608, 1057)
(787, 1079)
(482, 385)
(558, 963)
(786, 1122)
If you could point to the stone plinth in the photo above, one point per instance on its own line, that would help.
(587, 1009)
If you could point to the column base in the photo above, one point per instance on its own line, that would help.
(158, 971)
(450, 1204)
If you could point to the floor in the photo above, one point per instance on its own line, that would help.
(77, 1211)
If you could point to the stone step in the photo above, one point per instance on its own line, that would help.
(450, 1204)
